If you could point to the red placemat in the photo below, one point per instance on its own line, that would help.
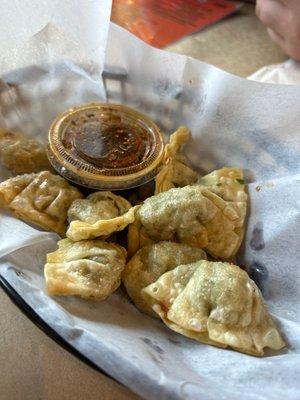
(161, 22)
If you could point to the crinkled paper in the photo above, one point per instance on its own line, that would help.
(58, 63)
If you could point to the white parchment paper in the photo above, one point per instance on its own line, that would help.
(234, 122)
(287, 73)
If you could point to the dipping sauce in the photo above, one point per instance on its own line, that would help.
(105, 146)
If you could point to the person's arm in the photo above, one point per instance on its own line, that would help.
(282, 18)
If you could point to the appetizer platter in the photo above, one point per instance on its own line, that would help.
(149, 216)
(177, 262)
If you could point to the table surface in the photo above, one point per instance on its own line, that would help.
(33, 366)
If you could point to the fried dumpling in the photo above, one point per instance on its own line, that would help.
(99, 215)
(42, 199)
(175, 170)
(22, 155)
(194, 215)
(215, 303)
(137, 236)
(149, 263)
(228, 184)
(89, 269)
(98, 205)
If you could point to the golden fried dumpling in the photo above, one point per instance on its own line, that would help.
(175, 171)
(149, 263)
(98, 205)
(22, 155)
(215, 303)
(228, 184)
(194, 215)
(42, 199)
(137, 237)
(99, 215)
(89, 269)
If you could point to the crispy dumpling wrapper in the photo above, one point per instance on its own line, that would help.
(90, 269)
(208, 217)
(226, 182)
(98, 205)
(42, 199)
(99, 215)
(22, 155)
(215, 303)
(175, 170)
(137, 237)
(149, 263)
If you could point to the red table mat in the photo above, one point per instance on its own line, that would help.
(162, 22)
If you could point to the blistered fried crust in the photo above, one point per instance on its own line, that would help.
(228, 184)
(90, 269)
(42, 199)
(175, 170)
(149, 263)
(99, 215)
(215, 303)
(22, 155)
(206, 216)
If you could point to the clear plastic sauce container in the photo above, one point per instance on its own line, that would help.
(105, 146)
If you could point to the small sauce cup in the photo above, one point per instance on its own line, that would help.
(105, 146)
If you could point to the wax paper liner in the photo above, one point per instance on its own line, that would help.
(234, 122)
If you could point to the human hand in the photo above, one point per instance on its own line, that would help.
(282, 18)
